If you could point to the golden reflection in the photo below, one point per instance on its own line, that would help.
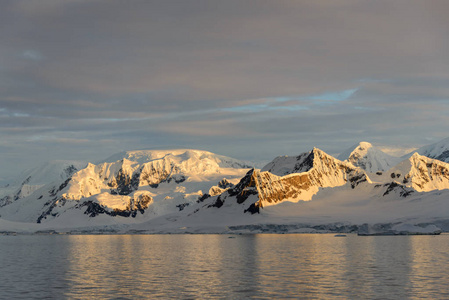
(150, 266)
(264, 266)
(429, 265)
(305, 271)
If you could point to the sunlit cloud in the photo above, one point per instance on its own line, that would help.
(397, 151)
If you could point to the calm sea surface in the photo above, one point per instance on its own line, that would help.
(268, 266)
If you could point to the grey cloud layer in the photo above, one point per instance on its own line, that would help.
(83, 79)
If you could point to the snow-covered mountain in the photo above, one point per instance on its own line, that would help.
(129, 184)
(291, 179)
(35, 178)
(438, 150)
(315, 190)
(177, 190)
(420, 173)
(369, 158)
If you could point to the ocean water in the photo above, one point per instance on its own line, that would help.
(271, 266)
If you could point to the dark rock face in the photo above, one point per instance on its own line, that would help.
(155, 175)
(48, 206)
(443, 156)
(70, 170)
(203, 197)
(54, 191)
(178, 178)
(357, 179)
(253, 208)
(126, 184)
(241, 191)
(139, 204)
(5, 201)
(63, 185)
(136, 205)
(245, 194)
(93, 209)
(218, 203)
(27, 180)
(394, 186)
(182, 206)
(245, 188)
(163, 177)
(224, 184)
(305, 162)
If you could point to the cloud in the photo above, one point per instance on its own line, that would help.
(397, 151)
(251, 80)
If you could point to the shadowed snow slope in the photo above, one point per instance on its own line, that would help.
(35, 178)
(439, 150)
(369, 158)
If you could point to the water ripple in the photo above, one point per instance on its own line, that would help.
(211, 267)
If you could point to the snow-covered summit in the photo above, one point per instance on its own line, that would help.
(368, 157)
(438, 150)
(178, 156)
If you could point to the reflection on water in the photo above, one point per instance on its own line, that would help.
(215, 266)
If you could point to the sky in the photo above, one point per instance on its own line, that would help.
(84, 79)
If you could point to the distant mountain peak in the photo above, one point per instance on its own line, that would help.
(368, 157)
(438, 150)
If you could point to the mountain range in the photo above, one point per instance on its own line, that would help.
(185, 190)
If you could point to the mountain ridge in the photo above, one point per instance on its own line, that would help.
(179, 187)
(128, 187)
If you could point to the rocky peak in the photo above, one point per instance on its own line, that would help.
(320, 171)
(421, 173)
